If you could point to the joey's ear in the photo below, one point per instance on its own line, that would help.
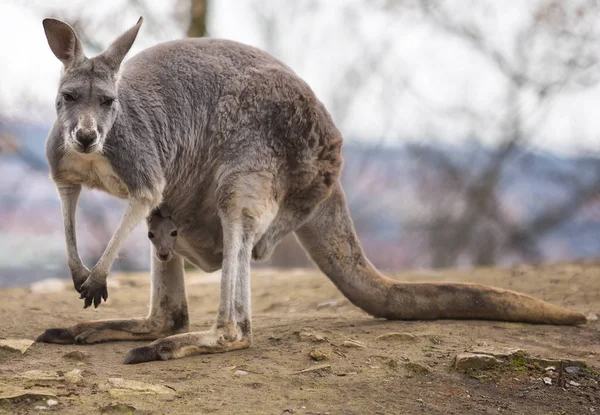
(63, 42)
(117, 50)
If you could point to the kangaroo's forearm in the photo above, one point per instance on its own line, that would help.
(69, 196)
(137, 210)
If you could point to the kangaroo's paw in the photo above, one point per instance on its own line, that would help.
(94, 290)
(215, 340)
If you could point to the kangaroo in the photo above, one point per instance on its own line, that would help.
(162, 232)
(243, 153)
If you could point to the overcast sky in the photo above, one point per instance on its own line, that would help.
(321, 44)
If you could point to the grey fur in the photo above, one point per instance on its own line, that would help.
(240, 152)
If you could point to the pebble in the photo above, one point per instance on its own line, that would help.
(320, 354)
(416, 367)
(51, 402)
(353, 344)
(547, 381)
(310, 336)
(120, 387)
(327, 304)
(318, 368)
(573, 383)
(239, 373)
(573, 370)
(476, 361)
(74, 376)
(397, 337)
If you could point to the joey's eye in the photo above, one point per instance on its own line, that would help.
(107, 102)
(150, 235)
(174, 234)
(68, 97)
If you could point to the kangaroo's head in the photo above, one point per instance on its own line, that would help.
(87, 101)
(162, 232)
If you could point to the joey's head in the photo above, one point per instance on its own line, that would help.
(87, 102)
(162, 232)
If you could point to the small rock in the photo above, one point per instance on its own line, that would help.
(500, 352)
(119, 408)
(239, 373)
(405, 337)
(573, 370)
(40, 407)
(320, 354)
(416, 367)
(573, 383)
(40, 375)
(74, 376)
(592, 316)
(16, 345)
(47, 286)
(547, 381)
(310, 336)
(550, 369)
(76, 355)
(474, 361)
(353, 344)
(124, 388)
(325, 368)
(51, 402)
(327, 304)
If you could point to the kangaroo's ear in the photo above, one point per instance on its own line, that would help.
(117, 50)
(64, 42)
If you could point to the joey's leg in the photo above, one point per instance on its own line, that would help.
(69, 195)
(168, 313)
(286, 221)
(94, 288)
(232, 329)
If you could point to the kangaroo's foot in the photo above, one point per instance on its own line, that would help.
(112, 330)
(216, 340)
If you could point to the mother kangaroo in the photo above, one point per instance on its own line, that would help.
(241, 152)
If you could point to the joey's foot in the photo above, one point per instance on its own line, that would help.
(262, 250)
(146, 354)
(93, 290)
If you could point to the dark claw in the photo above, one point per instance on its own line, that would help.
(141, 355)
(105, 293)
(59, 336)
(87, 302)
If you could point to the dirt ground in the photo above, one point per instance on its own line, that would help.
(298, 312)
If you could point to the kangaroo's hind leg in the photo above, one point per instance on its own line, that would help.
(245, 211)
(168, 313)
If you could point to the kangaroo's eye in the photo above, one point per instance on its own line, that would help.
(107, 102)
(174, 234)
(68, 97)
(150, 235)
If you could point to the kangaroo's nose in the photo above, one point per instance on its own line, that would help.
(164, 256)
(86, 137)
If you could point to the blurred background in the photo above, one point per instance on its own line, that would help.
(471, 133)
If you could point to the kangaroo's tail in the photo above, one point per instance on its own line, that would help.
(331, 242)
